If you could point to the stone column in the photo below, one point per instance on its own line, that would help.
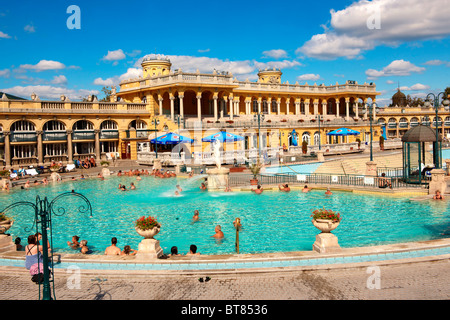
(215, 107)
(69, 146)
(172, 108)
(40, 148)
(297, 107)
(231, 108)
(307, 107)
(199, 107)
(160, 106)
(97, 145)
(6, 134)
(324, 108)
(287, 107)
(316, 108)
(356, 110)
(278, 107)
(337, 109)
(269, 105)
(259, 105)
(181, 97)
(347, 106)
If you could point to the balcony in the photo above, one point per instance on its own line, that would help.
(392, 125)
(54, 136)
(109, 134)
(23, 137)
(83, 135)
(403, 125)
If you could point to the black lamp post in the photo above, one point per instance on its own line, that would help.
(155, 122)
(433, 100)
(319, 118)
(259, 117)
(371, 107)
(43, 210)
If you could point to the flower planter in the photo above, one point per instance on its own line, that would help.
(325, 225)
(148, 234)
(253, 182)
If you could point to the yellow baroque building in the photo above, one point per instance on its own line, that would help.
(268, 113)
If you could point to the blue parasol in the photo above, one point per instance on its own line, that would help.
(343, 132)
(171, 138)
(223, 136)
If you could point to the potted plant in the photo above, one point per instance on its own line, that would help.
(147, 227)
(255, 168)
(55, 168)
(305, 147)
(359, 142)
(283, 120)
(104, 164)
(381, 143)
(4, 174)
(5, 223)
(325, 220)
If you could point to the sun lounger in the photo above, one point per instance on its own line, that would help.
(31, 172)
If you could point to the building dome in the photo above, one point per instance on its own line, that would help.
(155, 65)
(399, 99)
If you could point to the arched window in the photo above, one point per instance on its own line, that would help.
(306, 137)
(316, 138)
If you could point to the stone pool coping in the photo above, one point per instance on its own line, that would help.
(430, 250)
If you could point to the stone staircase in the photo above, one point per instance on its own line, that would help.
(6, 244)
(357, 166)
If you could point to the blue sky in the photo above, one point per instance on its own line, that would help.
(382, 41)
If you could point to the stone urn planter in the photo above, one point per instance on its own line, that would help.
(325, 225)
(55, 168)
(326, 221)
(148, 248)
(148, 234)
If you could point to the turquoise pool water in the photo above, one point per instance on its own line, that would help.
(296, 168)
(272, 221)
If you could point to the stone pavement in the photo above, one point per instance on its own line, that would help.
(418, 279)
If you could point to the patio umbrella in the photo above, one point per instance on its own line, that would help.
(171, 138)
(343, 132)
(223, 136)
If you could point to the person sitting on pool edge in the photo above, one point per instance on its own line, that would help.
(258, 189)
(193, 251)
(284, 188)
(113, 249)
(384, 182)
(438, 196)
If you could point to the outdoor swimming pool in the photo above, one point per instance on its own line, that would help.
(294, 168)
(272, 221)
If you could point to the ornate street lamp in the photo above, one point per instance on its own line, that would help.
(433, 100)
(155, 122)
(370, 108)
(43, 210)
(319, 118)
(259, 117)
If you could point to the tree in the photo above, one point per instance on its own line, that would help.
(447, 92)
(107, 91)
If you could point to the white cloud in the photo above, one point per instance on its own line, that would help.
(134, 53)
(47, 92)
(241, 69)
(43, 65)
(203, 50)
(114, 55)
(308, 76)
(395, 68)
(276, 53)
(29, 28)
(5, 73)
(416, 87)
(107, 82)
(389, 82)
(61, 79)
(364, 25)
(4, 35)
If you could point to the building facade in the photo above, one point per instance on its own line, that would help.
(268, 113)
